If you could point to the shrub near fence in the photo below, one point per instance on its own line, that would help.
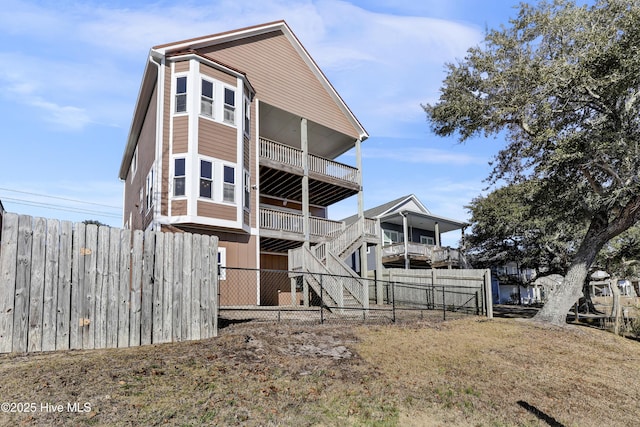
(76, 286)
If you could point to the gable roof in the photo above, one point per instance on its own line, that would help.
(257, 30)
(390, 212)
(389, 207)
(189, 47)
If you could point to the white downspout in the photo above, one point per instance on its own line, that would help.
(157, 167)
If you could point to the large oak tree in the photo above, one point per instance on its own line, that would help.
(562, 82)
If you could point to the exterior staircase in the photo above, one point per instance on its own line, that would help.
(325, 271)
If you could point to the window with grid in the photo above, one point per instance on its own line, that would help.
(206, 98)
(228, 186)
(206, 179)
(181, 94)
(179, 175)
(229, 106)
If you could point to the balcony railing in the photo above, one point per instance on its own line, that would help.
(280, 153)
(292, 157)
(413, 249)
(272, 219)
(432, 254)
(282, 221)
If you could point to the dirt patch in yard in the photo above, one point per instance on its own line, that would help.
(462, 372)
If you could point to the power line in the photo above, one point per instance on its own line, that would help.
(60, 207)
(61, 198)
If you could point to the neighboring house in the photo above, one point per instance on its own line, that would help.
(512, 284)
(408, 217)
(235, 135)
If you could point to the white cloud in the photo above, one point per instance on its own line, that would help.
(383, 65)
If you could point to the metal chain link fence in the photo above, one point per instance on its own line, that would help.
(299, 297)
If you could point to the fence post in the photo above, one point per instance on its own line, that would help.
(321, 300)
(477, 304)
(393, 300)
(488, 300)
(444, 306)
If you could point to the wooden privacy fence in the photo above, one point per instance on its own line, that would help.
(455, 287)
(76, 286)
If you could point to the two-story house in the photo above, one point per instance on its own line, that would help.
(410, 237)
(236, 134)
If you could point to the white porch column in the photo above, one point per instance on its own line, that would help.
(379, 266)
(405, 231)
(304, 143)
(437, 231)
(364, 264)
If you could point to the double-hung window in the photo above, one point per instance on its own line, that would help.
(229, 185)
(179, 175)
(206, 98)
(181, 94)
(229, 106)
(206, 179)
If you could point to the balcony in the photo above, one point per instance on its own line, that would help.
(421, 255)
(281, 171)
(287, 225)
(277, 226)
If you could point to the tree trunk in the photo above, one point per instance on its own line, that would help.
(569, 291)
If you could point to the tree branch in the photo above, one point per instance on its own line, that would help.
(595, 186)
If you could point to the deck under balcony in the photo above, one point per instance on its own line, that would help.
(280, 231)
(281, 171)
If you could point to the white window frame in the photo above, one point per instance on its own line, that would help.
(222, 263)
(210, 180)
(247, 117)
(134, 163)
(389, 235)
(228, 108)
(141, 201)
(175, 177)
(205, 99)
(226, 185)
(176, 94)
(246, 202)
(149, 190)
(427, 240)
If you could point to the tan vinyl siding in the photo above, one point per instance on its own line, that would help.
(217, 140)
(215, 210)
(146, 157)
(281, 78)
(178, 207)
(246, 157)
(217, 75)
(240, 286)
(182, 66)
(247, 218)
(164, 208)
(180, 134)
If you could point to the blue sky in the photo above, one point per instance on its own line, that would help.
(70, 73)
